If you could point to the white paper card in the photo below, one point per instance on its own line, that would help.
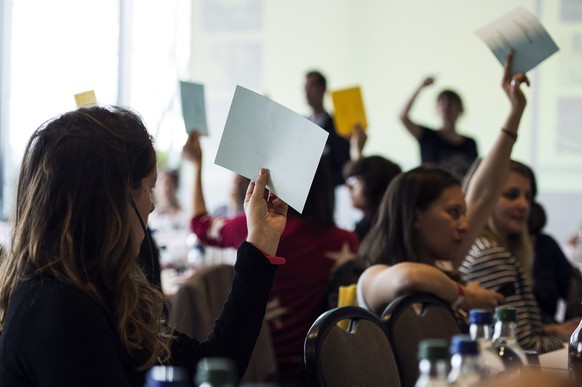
(193, 107)
(260, 133)
(520, 31)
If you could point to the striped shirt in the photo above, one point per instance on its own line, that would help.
(495, 266)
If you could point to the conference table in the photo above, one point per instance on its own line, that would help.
(555, 361)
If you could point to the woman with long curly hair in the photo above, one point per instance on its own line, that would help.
(75, 308)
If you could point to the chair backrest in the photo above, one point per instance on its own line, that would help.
(199, 301)
(358, 356)
(410, 319)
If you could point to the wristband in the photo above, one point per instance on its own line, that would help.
(460, 298)
(510, 134)
(274, 260)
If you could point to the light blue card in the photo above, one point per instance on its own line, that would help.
(193, 107)
(260, 133)
(520, 31)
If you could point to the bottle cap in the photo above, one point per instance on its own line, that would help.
(505, 314)
(480, 317)
(433, 349)
(463, 345)
(217, 370)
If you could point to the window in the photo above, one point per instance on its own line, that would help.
(129, 53)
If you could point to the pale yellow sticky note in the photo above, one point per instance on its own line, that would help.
(86, 98)
(348, 110)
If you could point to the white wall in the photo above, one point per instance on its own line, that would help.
(387, 47)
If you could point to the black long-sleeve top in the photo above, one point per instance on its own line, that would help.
(57, 335)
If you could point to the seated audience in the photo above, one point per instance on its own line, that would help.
(313, 247)
(75, 308)
(500, 260)
(426, 224)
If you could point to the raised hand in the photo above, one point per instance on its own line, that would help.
(511, 84)
(427, 81)
(266, 215)
(357, 141)
(192, 150)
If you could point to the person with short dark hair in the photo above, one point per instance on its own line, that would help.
(337, 148)
(443, 147)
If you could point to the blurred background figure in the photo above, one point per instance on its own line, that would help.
(367, 180)
(169, 223)
(555, 279)
(443, 147)
(337, 148)
(236, 197)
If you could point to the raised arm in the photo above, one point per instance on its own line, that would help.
(192, 151)
(410, 125)
(484, 186)
(380, 284)
(358, 140)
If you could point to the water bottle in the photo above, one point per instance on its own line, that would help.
(504, 340)
(168, 376)
(575, 355)
(466, 367)
(216, 372)
(480, 330)
(433, 356)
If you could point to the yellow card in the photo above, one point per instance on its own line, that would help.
(86, 98)
(348, 110)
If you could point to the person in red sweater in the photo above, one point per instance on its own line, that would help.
(313, 247)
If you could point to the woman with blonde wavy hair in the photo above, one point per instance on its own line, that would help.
(501, 259)
(75, 308)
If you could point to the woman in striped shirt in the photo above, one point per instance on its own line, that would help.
(500, 259)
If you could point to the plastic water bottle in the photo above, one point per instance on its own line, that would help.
(216, 372)
(480, 321)
(466, 368)
(168, 376)
(504, 340)
(433, 356)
